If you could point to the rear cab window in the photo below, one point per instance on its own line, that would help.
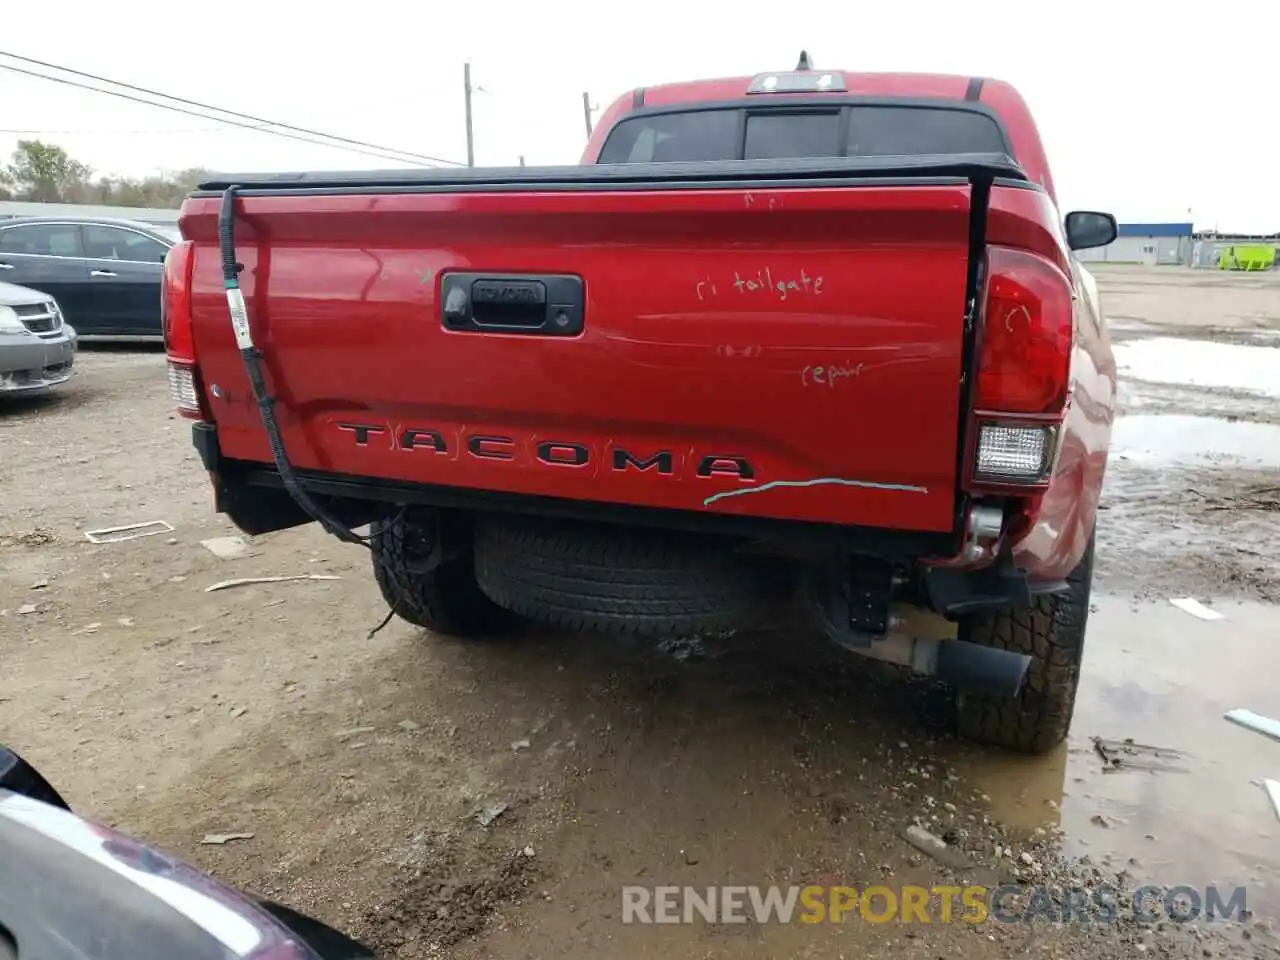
(794, 132)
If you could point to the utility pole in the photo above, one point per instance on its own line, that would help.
(471, 143)
(586, 109)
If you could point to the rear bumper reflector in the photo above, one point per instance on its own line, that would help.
(182, 388)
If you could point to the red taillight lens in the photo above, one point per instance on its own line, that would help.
(175, 303)
(179, 339)
(1024, 364)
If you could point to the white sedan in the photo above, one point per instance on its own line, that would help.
(37, 348)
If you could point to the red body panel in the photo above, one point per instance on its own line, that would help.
(1060, 521)
(766, 326)
(1057, 524)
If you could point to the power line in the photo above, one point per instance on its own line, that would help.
(257, 122)
(205, 116)
(151, 132)
(205, 106)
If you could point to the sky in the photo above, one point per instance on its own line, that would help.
(1147, 111)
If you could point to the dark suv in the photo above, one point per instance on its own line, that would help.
(105, 274)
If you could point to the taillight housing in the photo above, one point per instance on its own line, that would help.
(1023, 372)
(1024, 363)
(179, 337)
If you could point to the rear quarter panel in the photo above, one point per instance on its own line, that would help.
(1067, 512)
(1055, 526)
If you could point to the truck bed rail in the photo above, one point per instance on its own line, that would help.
(729, 174)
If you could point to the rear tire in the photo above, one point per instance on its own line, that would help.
(622, 581)
(445, 599)
(1052, 632)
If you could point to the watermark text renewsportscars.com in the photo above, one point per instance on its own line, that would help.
(936, 904)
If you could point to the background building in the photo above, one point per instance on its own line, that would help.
(1151, 243)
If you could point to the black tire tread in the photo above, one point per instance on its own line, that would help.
(634, 583)
(1052, 632)
(447, 600)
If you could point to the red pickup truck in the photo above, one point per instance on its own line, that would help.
(807, 341)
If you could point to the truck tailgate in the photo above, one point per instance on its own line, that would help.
(776, 352)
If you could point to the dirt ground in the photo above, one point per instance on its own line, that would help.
(359, 763)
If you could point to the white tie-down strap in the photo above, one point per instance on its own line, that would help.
(239, 318)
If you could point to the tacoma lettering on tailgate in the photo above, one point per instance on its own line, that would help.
(549, 453)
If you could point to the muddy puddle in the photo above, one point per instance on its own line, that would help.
(1163, 439)
(1176, 799)
(1201, 363)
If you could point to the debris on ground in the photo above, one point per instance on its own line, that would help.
(489, 814)
(683, 649)
(29, 608)
(518, 745)
(38, 537)
(1244, 718)
(1273, 794)
(1265, 498)
(1196, 608)
(40, 584)
(130, 531)
(226, 548)
(936, 847)
(354, 732)
(1126, 754)
(218, 839)
(438, 908)
(246, 581)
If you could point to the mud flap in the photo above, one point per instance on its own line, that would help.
(18, 776)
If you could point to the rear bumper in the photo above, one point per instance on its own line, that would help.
(31, 364)
(253, 497)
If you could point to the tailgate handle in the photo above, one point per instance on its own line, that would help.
(547, 305)
(509, 303)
